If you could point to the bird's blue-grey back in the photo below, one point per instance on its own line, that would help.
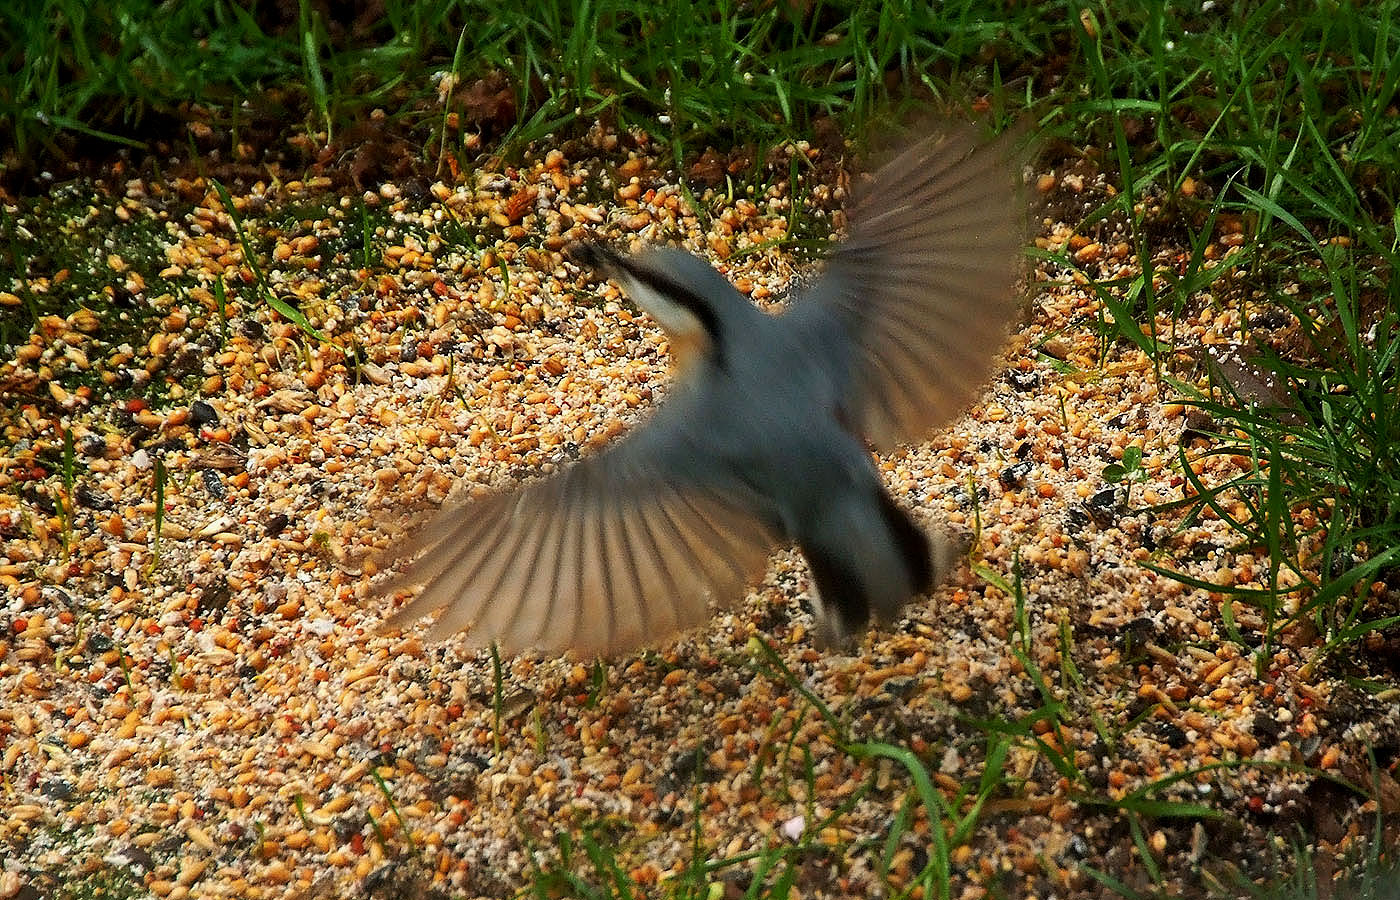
(763, 439)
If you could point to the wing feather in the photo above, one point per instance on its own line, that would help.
(625, 562)
(923, 289)
(623, 549)
(632, 545)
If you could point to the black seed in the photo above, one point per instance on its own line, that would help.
(1075, 520)
(213, 483)
(1023, 381)
(1272, 318)
(1104, 507)
(202, 414)
(93, 445)
(1267, 729)
(58, 789)
(1171, 735)
(1014, 476)
(97, 642)
(91, 497)
(214, 599)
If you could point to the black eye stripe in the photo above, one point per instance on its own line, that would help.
(680, 294)
(603, 258)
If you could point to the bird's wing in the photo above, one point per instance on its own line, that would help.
(924, 287)
(623, 549)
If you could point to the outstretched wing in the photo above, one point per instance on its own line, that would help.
(622, 549)
(924, 287)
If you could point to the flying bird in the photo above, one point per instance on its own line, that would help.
(765, 436)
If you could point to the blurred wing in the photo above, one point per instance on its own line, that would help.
(623, 549)
(925, 284)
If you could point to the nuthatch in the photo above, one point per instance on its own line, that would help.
(765, 436)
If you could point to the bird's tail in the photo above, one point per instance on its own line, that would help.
(868, 559)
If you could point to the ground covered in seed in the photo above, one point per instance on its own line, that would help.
(214, 417)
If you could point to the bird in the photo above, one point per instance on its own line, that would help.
(765, 436)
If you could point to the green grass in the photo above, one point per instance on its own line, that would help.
(250, 257)
(590, 863)
(718, 74)
(1371, 875)
(1294, 121)
(1291, 120)
(595, 859)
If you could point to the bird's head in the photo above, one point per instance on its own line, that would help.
(692, 302)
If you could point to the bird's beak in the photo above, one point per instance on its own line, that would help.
(593, 255)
